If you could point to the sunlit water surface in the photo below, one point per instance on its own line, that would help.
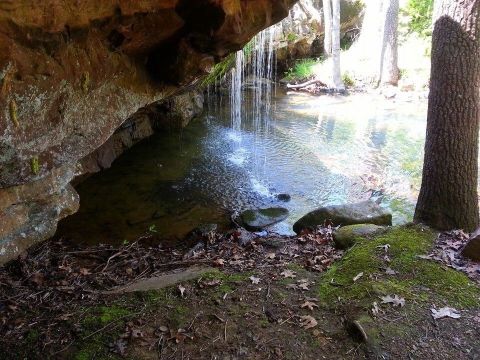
(319, 150)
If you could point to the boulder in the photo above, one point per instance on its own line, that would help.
(74, 73)
(365, 212)
(472, 249)
(346, 236)
(255, 220)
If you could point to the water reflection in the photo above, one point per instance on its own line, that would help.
(320, 150)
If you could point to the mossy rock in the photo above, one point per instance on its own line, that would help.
(346, 236)
(365, 212)
(417, 280)
(256, 220)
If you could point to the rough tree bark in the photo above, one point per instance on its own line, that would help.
(327, 16)
(448, 195)
(336, 74)
(389, 58)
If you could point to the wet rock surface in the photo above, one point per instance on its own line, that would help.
(255, 220)
(346, 236)
(365, 212)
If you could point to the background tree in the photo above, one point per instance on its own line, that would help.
(377, 46)
(448, 195)
(327, 16)
(389, 73)
(336, 73)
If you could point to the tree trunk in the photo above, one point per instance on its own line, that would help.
(389, 59)
(327, 16)
(448, 195)
(377, 46)
(336, 74)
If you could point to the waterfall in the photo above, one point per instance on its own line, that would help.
(254, 65)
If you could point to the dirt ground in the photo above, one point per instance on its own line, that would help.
(275, 298)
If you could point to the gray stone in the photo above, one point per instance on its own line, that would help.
(163, 281)
(365, 212)
(256, 220)
(346, 236)
(472, 249)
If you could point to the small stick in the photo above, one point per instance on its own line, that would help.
(225, 330)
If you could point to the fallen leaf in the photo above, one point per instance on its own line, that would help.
(213, 282)
(219, 262)
(163, 328)
(309, 304)
(136, 333)
(395, 300)
(308, 322)
(254, 280)
(390, 271)
(38, 278)
(119, 347)
(303, 284)
(288, 274)
(445, 312)
(84, 272)
(385, 247)
(375, 309)
(358, 276)
(182, 290)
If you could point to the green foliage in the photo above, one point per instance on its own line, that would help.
(85, 82)
(291, 37)
(35, 165)
(14, 113)
(303, 69)
(219, 70)
(347, 80)
(420, 14)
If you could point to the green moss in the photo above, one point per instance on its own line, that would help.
(85, 82)
(219, 70)
(14, 113)
(35, 165)
(417, 279)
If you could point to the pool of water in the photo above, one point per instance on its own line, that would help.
(319, 150)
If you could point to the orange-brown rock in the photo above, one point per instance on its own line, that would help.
(71, 72)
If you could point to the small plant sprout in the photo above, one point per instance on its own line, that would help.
(35, 165)
(14, 113)
(152, 228)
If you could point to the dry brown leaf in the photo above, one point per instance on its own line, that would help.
(288, 274)
(254, 280)
(308, 304)
(308, 322)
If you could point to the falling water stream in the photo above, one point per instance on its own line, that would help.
(254, 142)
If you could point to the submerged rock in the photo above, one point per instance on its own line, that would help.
(472, 249)
(365, 212)
(283, 197)
(346, 236)
(256, 220)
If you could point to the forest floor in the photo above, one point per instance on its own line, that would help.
(275, 298)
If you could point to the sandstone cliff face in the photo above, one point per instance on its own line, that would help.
(71, 72)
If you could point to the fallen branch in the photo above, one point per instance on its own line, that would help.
(307, 83)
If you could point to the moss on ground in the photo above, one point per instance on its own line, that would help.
(417, 279)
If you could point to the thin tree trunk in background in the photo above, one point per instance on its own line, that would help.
(327, 16)
(389, 73)
(448, 195)
(336, 74)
